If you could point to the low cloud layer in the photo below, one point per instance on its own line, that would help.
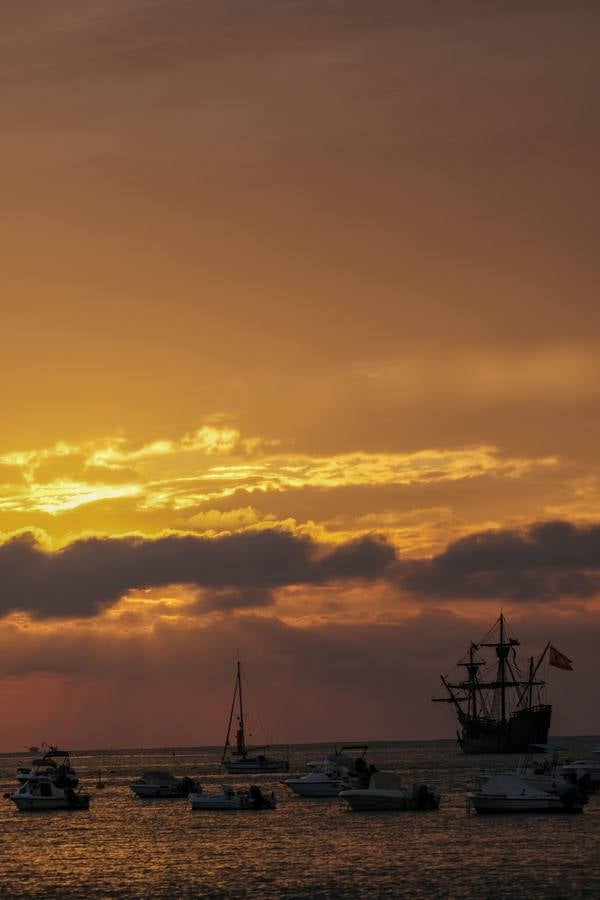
(546, 561)
(90, 574)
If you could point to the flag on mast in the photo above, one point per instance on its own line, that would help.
(558, 659)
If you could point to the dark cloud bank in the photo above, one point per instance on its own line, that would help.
(546, 561)
(543, 562)
(90, 574)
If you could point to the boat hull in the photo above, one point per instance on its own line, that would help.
(525, 727)
(367, 800)
(44, 804)
(499, 804)
(254, 767)
(314, 788)
(157, 792)
(231, 801)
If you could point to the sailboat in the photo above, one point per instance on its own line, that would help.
(242, 758)
(500, 706)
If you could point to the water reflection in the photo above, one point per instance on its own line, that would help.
(131, 848)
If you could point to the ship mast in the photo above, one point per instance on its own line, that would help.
(472, 667)
(502, 669)
(502, 649)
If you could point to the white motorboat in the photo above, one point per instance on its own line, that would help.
(252, 799)
(386, 792)
(337, 772)
(44, 793)
(325, 780)
(584, 773)
(54, 764)
(538, 768)
(509, 792)
(156, 784)
(242, 760)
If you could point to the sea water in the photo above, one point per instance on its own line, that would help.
(124, 847)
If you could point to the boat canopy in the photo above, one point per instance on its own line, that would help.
(155, 776)
(507, 783)
(385, 781)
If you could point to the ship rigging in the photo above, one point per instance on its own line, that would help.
(501, 708)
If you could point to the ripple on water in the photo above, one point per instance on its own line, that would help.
(127, 848)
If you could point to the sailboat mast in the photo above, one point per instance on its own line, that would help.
(239, 687)
(235, 690)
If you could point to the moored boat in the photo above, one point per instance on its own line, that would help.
(585, 773)
(337, 772)
(44, 793)
(538, 768)
(507, 792)
(243, 759)
(229, 799)
(387, 792)
(156, 784)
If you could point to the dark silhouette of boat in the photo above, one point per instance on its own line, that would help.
(242, 759)
(500, 706)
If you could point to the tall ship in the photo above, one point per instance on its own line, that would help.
(499, 700)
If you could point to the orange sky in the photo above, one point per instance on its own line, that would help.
(299, 299)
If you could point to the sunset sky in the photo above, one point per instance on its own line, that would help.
(300, 358)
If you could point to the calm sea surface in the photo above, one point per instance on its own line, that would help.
(130, 848)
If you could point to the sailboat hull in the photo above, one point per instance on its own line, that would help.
(523, 728)
(255, 766)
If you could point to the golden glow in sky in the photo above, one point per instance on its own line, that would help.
(300, 317)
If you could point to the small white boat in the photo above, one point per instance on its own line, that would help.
(584, 773)
(156, 784)
(538, 768)
(45, 794)
(325, 780)
(509, 792)
(337, 772)
(243, 760)
(253, 798)
(386, 792)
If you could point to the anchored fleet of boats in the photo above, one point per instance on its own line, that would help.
(501, 708)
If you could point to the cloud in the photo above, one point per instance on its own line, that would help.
(92, 573)
(230, 599)
(544, 562)
(214, 463)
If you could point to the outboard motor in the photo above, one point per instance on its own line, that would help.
(257, 797)
(570, 797)
(189, 787)
(424, 798)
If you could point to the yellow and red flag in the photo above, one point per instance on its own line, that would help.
(558, 659)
